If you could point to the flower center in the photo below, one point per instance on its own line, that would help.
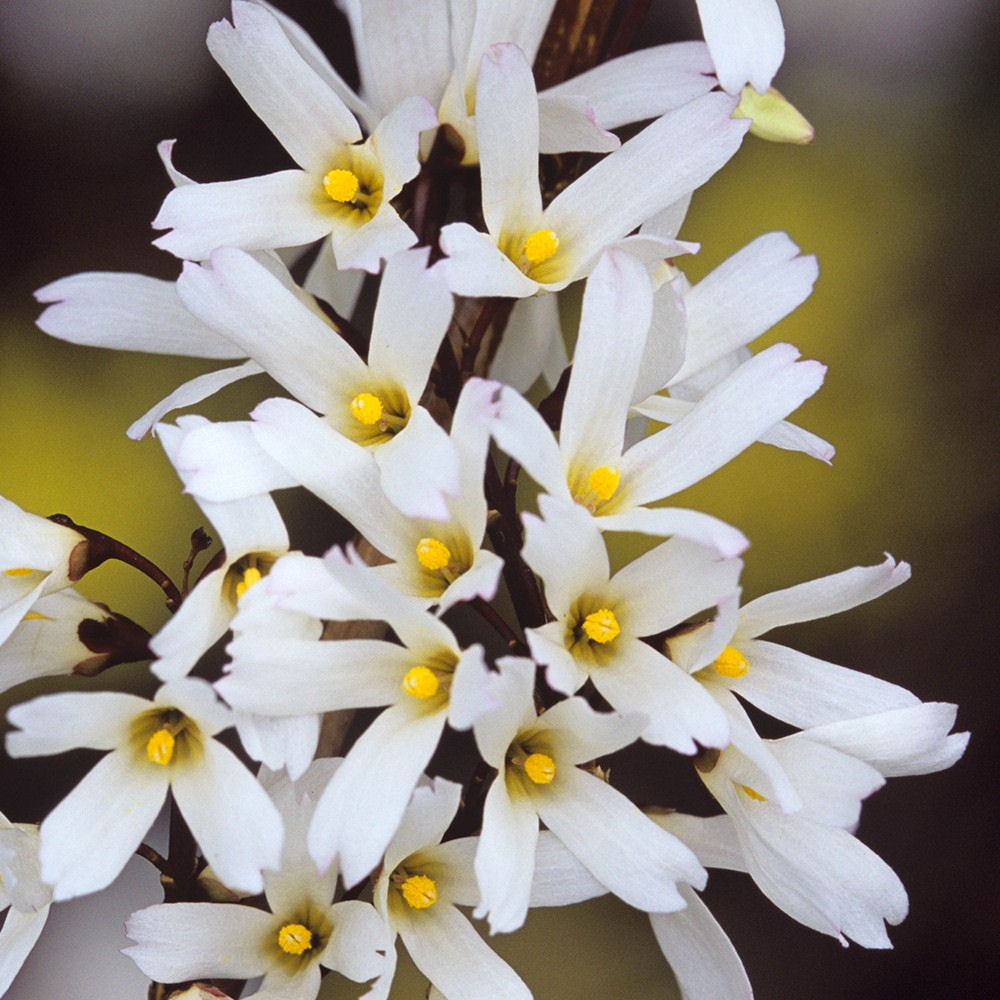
(421, 682)
(752, 793)
(371, 411)
(603, 481)
(540, 768)
(601, 626)
(419, 891)
(160, 747)
(433, 554)
(731, 663)
(294, 939)
(341, 185)
(540, 246)
(19, 571)
(251, 575)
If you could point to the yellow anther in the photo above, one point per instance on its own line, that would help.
(294, 939)
(341, 185)
(540, 768)
(419, 891)
(603, 481)
(18, 571)
(251, 575)
(731, 663)
(433, 554)
(160, 746)
(752, 793)
(601, 626)
(540, 246)
(420, 682)
(366, 408)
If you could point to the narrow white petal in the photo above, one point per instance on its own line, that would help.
(234, 821)
(89, 836)
(829, 595)
(18, 935)
(127, 312)
(700, 954)
(514, 688)
(180, 941)
(568, 122)
(256, 213)
(359, 935)
(560, 878)
(305, 115)
(596, 822)
(362, 806)
(531, 335)
(746, 39)
(98, 720)
(451, 954)
(713, 839)
(505, 857)
(692, 525)
(475, 265)
(191, 392)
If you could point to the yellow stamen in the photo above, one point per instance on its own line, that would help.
(601, 626)
(251, 575)
(294, 939)
(753, 793)
(160, 747)
(420, 682)
(36, 616)
(604, 481)
(341, 185)
(18, 571)
(731, 663)
(433, 554)
(419, 891)
(540, 768)
(540, 246)
(366, 408)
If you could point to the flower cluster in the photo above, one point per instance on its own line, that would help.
(402, 284)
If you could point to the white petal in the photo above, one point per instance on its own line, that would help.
(505, 857)
(829, 595)
(560, 879)
(476, 266)
(280, 742)
(451, 954)
(234, 821)
(713, 839)
(531, 335)
(806, 691)
(89, 836)
(181, 941)
(912, 740)
(514, 688)
(569, 122)
(359, 935)
(128, 312)
(700, 954)
(362, 806)
(691, 525)
(746, 39)
(256, 213)
(640, 85)
(98, 720)
(18, 935)
(191, 392)
(305, 115)
(594, 821)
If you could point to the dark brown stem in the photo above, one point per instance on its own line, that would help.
(491, 615)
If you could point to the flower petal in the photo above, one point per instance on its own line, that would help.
(746, 39)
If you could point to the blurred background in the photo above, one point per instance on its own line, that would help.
(897, 199)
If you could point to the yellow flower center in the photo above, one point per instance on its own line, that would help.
(540, 768)
(160, 747)
(601, 626)
(18, 571)
(366, 408)
(433, 554)
(419, 891)
(251, 575)
(731, 663)
(603, 481)
(752, 793)
(421, 682)
(341, 185)
(540, 246)
(294, 939)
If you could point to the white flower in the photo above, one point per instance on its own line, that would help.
(253, 536)
(536, 757)
(421, 881)
(37, 557)
(156, 746)
(590, 464)
(746, 39)
(303, 929)
(23, 897)
(528, 249)
(600, 620)
(344, 186)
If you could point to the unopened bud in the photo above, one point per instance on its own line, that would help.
(773, 117)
